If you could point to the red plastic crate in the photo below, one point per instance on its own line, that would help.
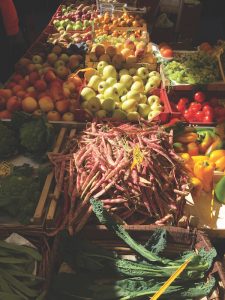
(173, 96)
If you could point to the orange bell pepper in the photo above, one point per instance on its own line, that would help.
(204, 170)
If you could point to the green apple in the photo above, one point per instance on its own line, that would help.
(127, 80)
(153, 114)
(87, 93)
(153, 99)
(156, 106)
(133, 116)
(77, 27)
(142, 72)
(111, 81)
(100, 97)
(94, 82)
(56, 23)
(108, 104)
(64, 57)
(112, 93)
(134, 95)
(119, 115)
(109, 71)
(101, 65)
(69, 27)
(94, 104)
(118, 104)
(150, 86)
(138, 86)
(84, 104)
(144, 109)
(155, 80)
(123, 72)
(123, 98)
(137, 78)
(132, 71)
(143, 98)
(154, 73)
(101, 114)
(37, 59)
(59, 63)
(129, 105)
(102, 86)
(120, 88)
(52, 58)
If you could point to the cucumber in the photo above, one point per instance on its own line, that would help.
(220, 190)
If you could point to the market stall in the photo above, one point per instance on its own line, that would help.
(101, 126)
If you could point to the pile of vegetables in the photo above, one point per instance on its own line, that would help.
(197, 68)
(17, 264)
(108, 276)
(26, 134)
(132, 169)
(20, 192)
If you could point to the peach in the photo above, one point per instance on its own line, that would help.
(33, 77)
(13, 104)
(126, 52)
(139, 53)
(130, 45)
(31, 68)
(46, 104)
(5, 114)
(117, 60)
(24, 83)
(31, 92)
(29, 104)
(111, 51)
(62, 72)
(76, 80)
(131, 59)
(40, 85)
(43, 94)
(68, 117)
(6, 93)
(52, 58)
(53, 116)
(62, 106)
(99, 50)
(105, 57)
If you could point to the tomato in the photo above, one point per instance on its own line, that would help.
(199, 97)
(183, 100)
(181, 107)
(189, 115)
(192, 149)
(166, 52)
(194, 106)
(199, 116)
(207, 119)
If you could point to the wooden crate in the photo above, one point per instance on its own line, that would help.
(179, 241)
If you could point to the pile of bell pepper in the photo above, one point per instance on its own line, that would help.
(202, 151)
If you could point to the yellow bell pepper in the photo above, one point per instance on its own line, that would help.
(216, 154)
(196, 185)
(204, 170)
(188, 137)
(197, 158)
(220, 164)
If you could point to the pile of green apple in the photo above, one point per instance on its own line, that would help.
(69, 25)
(127, 94)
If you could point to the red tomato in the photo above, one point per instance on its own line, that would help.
(194, 106)
(207, 119)
(199, 116)
(189, 115)
(199, 97)
(181, 107)
(183, 101)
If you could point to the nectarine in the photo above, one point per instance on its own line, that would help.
(29, 104)
(62, 106)
(68, 117)
(6, 93)
(53, 116)
(46, 104)
(40, 85)
(13, 104)
(5, 114)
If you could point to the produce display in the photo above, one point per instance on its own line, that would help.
(194, 68)
(107, 275)
(17, 264)
(127, 94)
(120, 166)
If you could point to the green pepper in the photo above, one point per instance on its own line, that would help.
(220, 190)
(179, 147)
(205, 139)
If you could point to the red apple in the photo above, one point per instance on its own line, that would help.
(5, 114)
(24, 61)
(31, 68)
(62, 106)
(2, 103)
(24, 83)
(17, 88)
(21, 94)
(17, 77)
(46, 104)
(53, 116)
(6, 93)
(49, 76)
(29, 104)
(40, 85)
(33, 77)
(13, 104)
(31, 92)
(10, 85)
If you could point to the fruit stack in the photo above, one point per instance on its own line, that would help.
(126, 94)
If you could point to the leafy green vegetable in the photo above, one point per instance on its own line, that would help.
(8, 141)
(20, 192)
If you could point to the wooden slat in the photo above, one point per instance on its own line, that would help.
(44, 195)
(56, 194)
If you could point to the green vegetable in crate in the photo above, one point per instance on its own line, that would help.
(16, 267)
(19, 193)
(220, 190)
(8, 141)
